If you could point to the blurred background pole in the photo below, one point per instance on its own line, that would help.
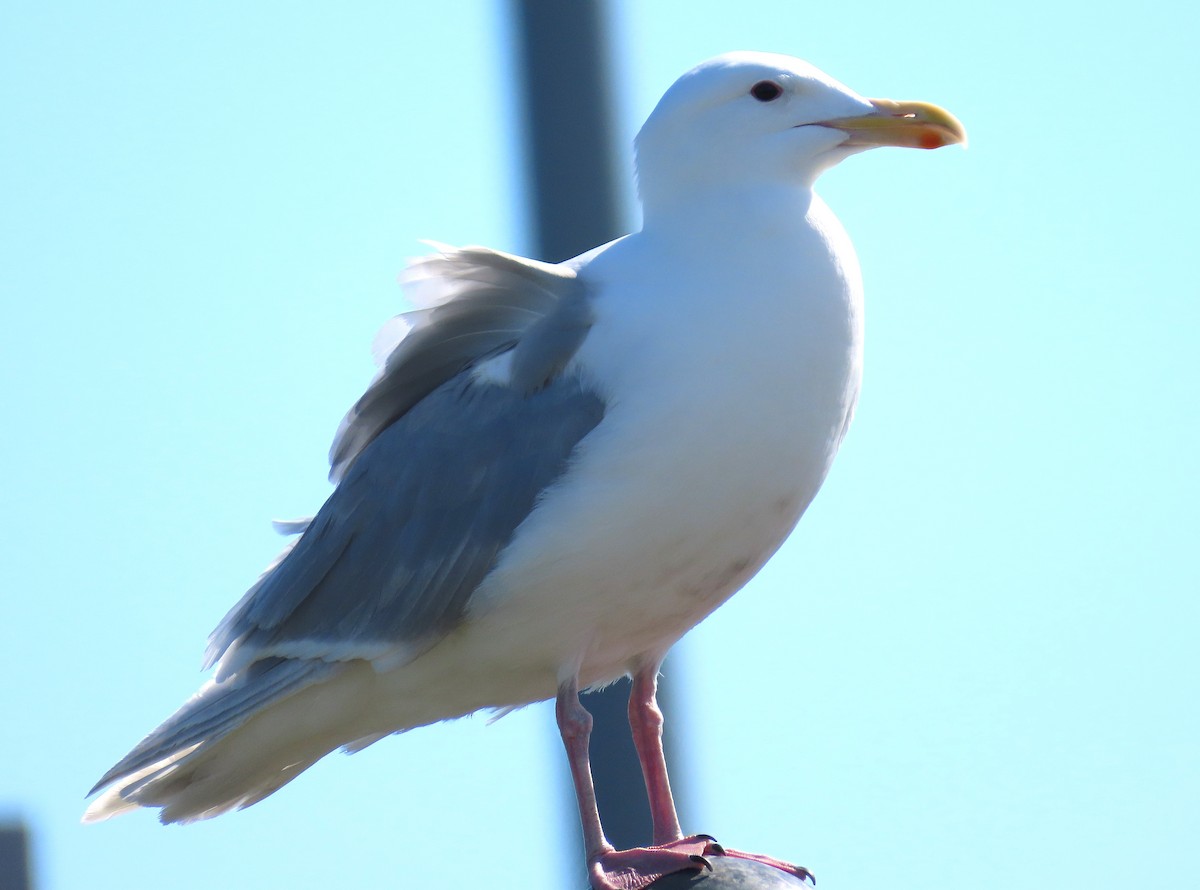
(563, 57)
(14, 857)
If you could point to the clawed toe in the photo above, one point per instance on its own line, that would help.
(798, 870)
(640, 867)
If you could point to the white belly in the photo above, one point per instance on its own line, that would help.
(713, 445)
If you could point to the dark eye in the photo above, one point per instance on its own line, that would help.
(766, 91)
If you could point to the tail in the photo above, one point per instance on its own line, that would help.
(234, 742)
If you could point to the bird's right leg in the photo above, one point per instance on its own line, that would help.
(646, 723)
(609, 868)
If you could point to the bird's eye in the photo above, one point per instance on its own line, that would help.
(766, 91)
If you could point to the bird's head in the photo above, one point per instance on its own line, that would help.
(764, 118)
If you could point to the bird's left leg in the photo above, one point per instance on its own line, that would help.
(646, 724)
(575, 726)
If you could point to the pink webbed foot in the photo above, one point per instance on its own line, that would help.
(798, 870)
(640, 867)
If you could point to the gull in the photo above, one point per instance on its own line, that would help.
(561, 469)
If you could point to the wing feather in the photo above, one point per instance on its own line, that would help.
(436, 472)
(477, 303)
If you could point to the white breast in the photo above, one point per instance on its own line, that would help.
(730, 387)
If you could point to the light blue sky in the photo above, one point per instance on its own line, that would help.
(974, 665)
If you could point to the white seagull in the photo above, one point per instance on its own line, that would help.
(561, 469)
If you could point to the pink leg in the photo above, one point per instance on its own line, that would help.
(608, 868)
(646, 722)
(575, 725)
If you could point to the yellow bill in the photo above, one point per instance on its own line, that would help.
(905, 124)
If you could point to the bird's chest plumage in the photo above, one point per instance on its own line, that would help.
(728, 391)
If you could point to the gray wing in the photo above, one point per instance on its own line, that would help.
(486, 303)
(438, 468)
(216, 710)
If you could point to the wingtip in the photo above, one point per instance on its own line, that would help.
(105, 807)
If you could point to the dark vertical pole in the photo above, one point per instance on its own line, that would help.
(562, 57)
(563, 75)
(14, 857)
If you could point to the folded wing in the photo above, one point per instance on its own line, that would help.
(436, 466)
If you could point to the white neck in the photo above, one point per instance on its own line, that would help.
(716, 209)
